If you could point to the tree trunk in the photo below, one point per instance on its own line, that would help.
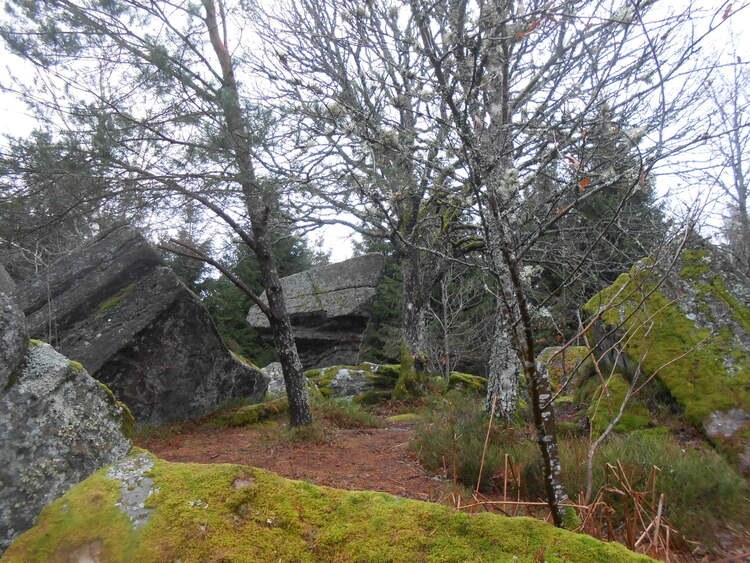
(744, 250)
(413, 305)
(502, 380)
(258, 210)
(412, 373)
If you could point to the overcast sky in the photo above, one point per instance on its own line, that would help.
(15, 119)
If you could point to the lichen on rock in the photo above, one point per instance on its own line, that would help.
(58, 426)
(243, 514)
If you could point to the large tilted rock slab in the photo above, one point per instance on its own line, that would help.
(330, 308)
(59, 425)
(147, 509)
(693, 332)
(114, 307)
(13, 336)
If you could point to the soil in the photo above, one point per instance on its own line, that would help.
(373, 459)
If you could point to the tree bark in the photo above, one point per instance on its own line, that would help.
(502, 380)
(413, 304)
(258, 211)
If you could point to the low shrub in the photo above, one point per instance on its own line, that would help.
(450, 435)
(319, 432)
(701, 490)
(345, 414)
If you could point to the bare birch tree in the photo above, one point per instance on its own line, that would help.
(730, 154)
(523, 84)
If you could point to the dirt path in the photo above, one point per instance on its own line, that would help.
(376, 459)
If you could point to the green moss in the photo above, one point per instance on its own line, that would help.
(232, 513)
(113, 302)
(410, 380)
(372, 397)
(562, 364)
(406, 417)
(391, 371)
(250, 414)
(76, 367)
(570, 519)
(467, 382)
(701, 381)
(34, 343)
(605, 406)
(128, 421)
(695, 264)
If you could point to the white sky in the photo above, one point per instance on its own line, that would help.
(15, 119)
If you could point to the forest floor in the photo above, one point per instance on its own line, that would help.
(371, 459)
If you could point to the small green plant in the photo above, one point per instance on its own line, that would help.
(345, 414)
(700, 488)
(450, 436)
(319, 432)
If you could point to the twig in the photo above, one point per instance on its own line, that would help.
(486, 441)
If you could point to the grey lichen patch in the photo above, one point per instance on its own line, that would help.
(136, 486)
(726, 423)
(58, 427)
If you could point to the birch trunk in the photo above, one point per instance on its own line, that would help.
(502, 380)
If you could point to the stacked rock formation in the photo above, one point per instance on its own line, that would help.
(330, 308)
(116, 308)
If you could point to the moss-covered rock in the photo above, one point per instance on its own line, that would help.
(467, 382)
(146, 509)
(411, 378)
(58, 425)
(694, 333)
(367, 383)
(566, 365)
(250, 414)
(604, 404)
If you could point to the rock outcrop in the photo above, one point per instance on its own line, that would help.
(13, 336)
(116, 308)
(275, 376)
(693, 333)
(330, 308)
(365, 383)
(59, 425)
(146, 509)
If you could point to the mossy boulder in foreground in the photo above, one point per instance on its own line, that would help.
(693, 333)
(146, 509)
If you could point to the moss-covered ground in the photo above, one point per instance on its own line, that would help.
(234, 513)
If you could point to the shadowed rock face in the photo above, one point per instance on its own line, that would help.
(59, 425)
(330, 308)
(13, 338)
(114, 307)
